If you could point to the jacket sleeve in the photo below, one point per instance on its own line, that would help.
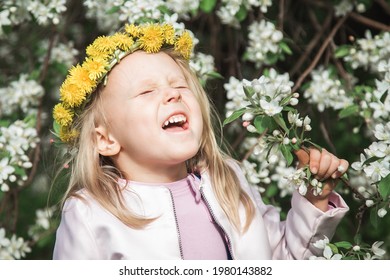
(74, 238)
(305, 224)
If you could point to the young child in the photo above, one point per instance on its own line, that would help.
(149, 180)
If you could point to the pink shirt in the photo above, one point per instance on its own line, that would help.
(200, 237)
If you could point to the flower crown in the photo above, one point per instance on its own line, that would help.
(102, 55)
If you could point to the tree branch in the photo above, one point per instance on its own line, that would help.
(320, 53)
(369, 22)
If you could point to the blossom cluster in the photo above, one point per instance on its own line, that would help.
(16, 141)
(232, 11)
(368, 52)
(61, 53)
(260, 104)
(23, 95)
(43, 11)
(326, 91)
(346, 250)
(263, 42)
(266, 170)
(43, 222)
(346, 6)
(13, 248)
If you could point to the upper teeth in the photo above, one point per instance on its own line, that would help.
(175, 119)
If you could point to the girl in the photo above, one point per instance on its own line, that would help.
(149, 180)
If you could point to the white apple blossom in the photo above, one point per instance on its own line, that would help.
(46, 11)
(22, 94)
(202, 64)
(298, 180)
(263, 39)
(344, 7)
(369, 51)
(13, 248)
(375, 248)
(97, 9)
(377, 170)
(182, 7)
(270, 108)
(326, 91)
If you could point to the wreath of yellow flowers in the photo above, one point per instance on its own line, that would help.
(101, 56)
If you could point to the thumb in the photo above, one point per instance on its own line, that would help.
(303, 157)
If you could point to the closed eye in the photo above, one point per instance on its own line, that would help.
(146, 92)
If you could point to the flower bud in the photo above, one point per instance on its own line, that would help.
(369, 202)
(356, 248)
(382, 212)
(275, 132)
(293, 101)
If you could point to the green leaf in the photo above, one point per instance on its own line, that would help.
(369, 160)
(342, 51)
(249, 92)
(271, 191)
(348, 111)
(357, 239)
(234, 116)
(56, 128)
(384, 187)
(280, 121)
(214, 74)
(285, 48)
(242, 13)
(113, 10)
(207, 5)
(344, 244)
(286, 151)
(335, 250)
(264, 122)
(374, 219)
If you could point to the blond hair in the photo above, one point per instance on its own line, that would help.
(99, 177)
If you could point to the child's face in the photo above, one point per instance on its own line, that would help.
(153, 116)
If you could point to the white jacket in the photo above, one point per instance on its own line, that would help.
(88, 231)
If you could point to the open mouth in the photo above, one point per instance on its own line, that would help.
(176, 123)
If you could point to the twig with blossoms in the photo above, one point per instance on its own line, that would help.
(270, 111)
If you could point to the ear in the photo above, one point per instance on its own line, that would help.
(107, 145)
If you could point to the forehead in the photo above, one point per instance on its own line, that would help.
(142, 66)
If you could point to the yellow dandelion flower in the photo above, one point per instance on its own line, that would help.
(183, 45)
(123, 41)
(152, 39)
(68, 135)
(104, 44)
(79, 75)
(92, 51)
(95, 67)
(62, 115)
(71, 95)
(169, 34)
(132, 29)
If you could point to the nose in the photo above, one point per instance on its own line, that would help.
(172, 95)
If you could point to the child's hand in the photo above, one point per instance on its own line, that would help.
(326, 168)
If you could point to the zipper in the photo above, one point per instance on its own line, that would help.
(229, 241)
(177, 225)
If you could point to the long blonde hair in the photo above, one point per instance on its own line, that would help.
(99, 177)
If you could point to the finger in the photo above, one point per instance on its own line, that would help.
(315, 158)
(303, 157)
(324, 164)
(341, 169)
(334, 164)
